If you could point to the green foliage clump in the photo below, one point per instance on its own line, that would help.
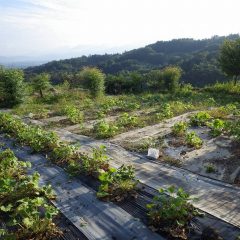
(165, 112)
(126, 120)
(171, 211)
(11, 87)
(200, 119)
(229, 58)
(94, 79)
(64, 153)
(171, 76)
(117, 184)
(98, 161)
(180, 128)
(217, 127)
(40, 83)
(22, 201)
(74, 114)
(37, 138)
(104, 129)
(193, 140)
(233, 129)
(210, 168)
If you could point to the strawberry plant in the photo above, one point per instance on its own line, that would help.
(170, 211)
(233, 128)
(99, 160)
(104, 129)
(37, 138)
(180, 128)
(217, 127)
(74, 114)
(125, 120)
(200, 119)
(64, 153)
(193, 140)
(165, 112)
(117, 184)
(23, 203)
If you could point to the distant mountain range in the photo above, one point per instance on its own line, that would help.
(197, 58)
(60, 53)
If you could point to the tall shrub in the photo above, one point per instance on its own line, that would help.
(94, 80)
(11, 86)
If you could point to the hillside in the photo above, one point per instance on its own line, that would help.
(198, 59)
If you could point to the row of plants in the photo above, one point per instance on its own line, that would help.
(25, 212)
(103, 129)
(217, 126)
(64, 154)
(191, 138)
(170, 210)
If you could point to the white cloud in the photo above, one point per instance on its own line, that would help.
(34, 26)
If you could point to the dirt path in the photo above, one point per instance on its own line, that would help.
(94, 218)
(217, 198)
(134, 137)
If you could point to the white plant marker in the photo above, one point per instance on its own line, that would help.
(153, 152)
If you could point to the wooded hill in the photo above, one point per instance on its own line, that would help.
(197, 58)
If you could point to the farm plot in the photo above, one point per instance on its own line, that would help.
(51, 173)
(195, 141)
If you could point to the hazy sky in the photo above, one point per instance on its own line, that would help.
(33, 27)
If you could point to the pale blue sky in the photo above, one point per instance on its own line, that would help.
(37, 27)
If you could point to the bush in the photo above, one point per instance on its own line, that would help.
(11, 87)
(94, 79)
(171, 76)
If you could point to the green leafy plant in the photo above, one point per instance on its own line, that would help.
(73, 113)
(217, 127)
(200, 119)
(171, 211)
(117, 184)
(233, 128)
(165, 112)
(180, 128)
(104, 129)
(126, 120)
(23, 203)
(193, 140)
(64, 153)
(98, 161)
(37, 138)
(210, 168)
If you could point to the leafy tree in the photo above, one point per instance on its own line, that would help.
(230, 58)
(11, 86)
(94, 80)
(155, 80)
(171, 76)
(41, 82)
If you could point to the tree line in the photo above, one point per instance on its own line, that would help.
(167, 79)
(197, 58)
